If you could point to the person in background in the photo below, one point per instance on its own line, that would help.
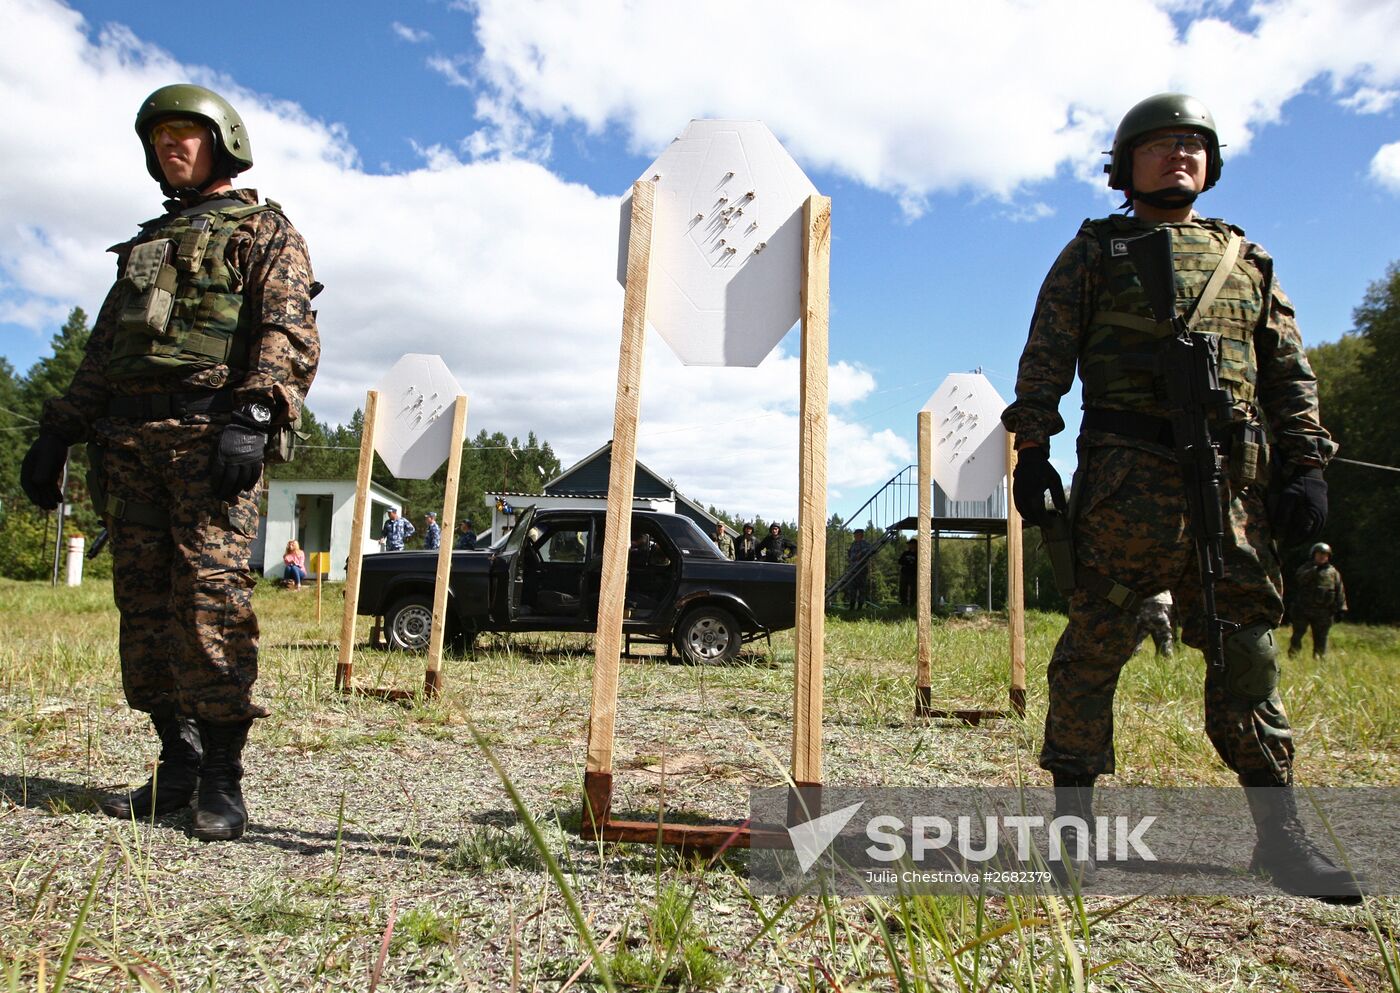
(1319, 599)
(396, 531)
(909, 573)
(858, 590)
(723, 541)
(1154, 619)
(746, 548)
(432, 532)
(466, 536)
(294, 564)
(774, 547)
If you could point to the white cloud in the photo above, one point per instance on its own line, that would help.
(413, 36)
(1367, 100)
(1385, 166)
(916, 99)
(497, 264)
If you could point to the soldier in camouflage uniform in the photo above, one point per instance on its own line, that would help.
(1131, 535)
(1319, 598)
(197, 365)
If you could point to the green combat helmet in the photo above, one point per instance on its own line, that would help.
(1165, 110)
(234, 153)
(1322, 547)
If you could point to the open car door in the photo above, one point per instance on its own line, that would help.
(512, 558)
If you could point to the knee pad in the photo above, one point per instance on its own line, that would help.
(1251, 663)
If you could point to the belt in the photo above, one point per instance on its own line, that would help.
(165, 406)
(1144, 427)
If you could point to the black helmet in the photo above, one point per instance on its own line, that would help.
(234, 152)
(1322, 547)
(1165, 110)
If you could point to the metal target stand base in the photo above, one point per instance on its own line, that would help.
(923, 707)
(804, 803)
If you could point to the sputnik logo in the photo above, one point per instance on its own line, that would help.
(811, 838)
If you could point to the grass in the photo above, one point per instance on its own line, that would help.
(429, 845)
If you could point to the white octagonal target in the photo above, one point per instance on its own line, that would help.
(413, 431)
(727, 243)
(969, 443)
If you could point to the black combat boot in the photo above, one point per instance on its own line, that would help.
(1286, 854)
(1074, 797)
(220, 814)
(175, 777)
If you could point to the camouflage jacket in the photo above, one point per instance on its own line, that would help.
(1287, 389)
(1319, 589)
(283, 354)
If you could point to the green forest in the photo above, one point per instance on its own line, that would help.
(1356, 380)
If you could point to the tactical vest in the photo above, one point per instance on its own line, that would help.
(181, 304)
(1118, 359)
(1318, 588)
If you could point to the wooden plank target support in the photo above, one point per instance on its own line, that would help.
(345, 667)
(724, 198)
(413, 437)
(974, 453)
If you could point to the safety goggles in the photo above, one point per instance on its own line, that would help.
(1164, 145)
(178, 128)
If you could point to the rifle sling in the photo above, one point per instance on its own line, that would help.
(1217, 280)
(1136, 322)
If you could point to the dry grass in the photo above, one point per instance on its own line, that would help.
(384, 852)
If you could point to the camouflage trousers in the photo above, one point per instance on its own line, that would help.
(189, 638)
(1132, 527)
(1154, 620)
(1321, 623)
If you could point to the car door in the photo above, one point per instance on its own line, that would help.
(511, 561)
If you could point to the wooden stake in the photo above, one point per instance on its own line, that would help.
(432, 676)
(810, 628)
(607, 642)
(318, 592)
(1015, 587)
(924, 608)
(345, 669)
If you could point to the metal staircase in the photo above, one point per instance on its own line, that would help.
(881, 516)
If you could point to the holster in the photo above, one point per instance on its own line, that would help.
(109, 507)
(1058, 537)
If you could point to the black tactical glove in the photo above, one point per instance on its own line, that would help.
(1300, 508)
(42, 469)
(1034, 476)
(238, 459)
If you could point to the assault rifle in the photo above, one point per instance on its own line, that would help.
(1189, 364)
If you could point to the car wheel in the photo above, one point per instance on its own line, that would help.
(408, 625)
(709, 636)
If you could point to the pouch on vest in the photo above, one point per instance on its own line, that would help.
(282, 443)
(1249, 455)
(150, 273)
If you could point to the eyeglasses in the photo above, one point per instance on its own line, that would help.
(1191, 144)
(179, 128)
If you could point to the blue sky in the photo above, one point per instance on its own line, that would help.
(453, 167)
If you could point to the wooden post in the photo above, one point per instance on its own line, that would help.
(923, 694)
(318, 594)
(432, 676)
(345, 669)
(810, 628)
(1015, 587)
(607, 642)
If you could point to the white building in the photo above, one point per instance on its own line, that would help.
(319, 514)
